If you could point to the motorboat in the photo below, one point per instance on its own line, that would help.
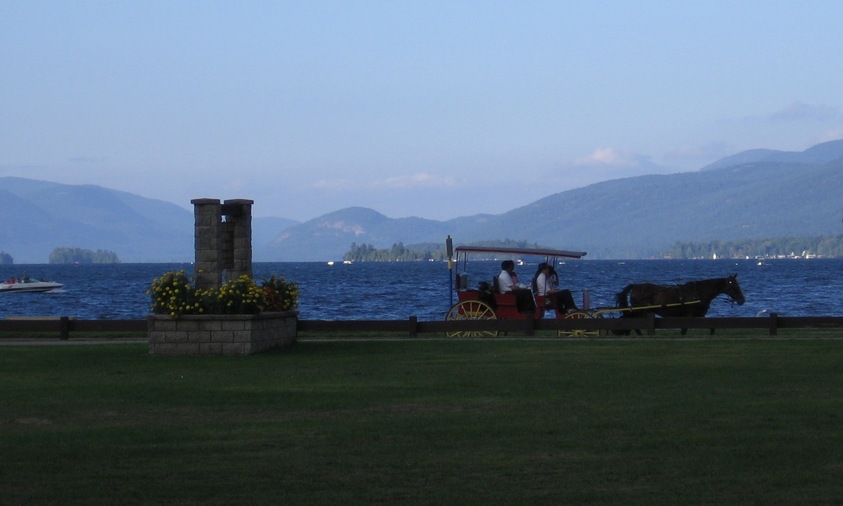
(28, 286)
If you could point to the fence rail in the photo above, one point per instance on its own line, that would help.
(63, 327)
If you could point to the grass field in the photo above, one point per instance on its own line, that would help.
(748, 421)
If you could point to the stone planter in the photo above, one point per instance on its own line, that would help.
(221, 334)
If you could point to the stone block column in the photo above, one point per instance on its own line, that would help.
(238, 237)
(222, 240)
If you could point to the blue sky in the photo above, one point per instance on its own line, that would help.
(412, 108)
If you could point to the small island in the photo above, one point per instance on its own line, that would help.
(6, 259)
(82, 256)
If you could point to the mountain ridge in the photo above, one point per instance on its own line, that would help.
(642, 216)
(820, 153)
(752, 194)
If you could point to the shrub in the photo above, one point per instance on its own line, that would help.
(173, 294)
(280, 294)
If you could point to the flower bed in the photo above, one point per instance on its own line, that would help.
(239, 318)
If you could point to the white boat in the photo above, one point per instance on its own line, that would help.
(29, 286)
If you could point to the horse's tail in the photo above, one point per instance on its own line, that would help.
(622, 297)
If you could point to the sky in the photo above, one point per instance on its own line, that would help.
(428, 108)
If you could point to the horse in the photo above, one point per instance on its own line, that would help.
(688, 299)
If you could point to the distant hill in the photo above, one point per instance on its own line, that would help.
(329, 236)
(641, 217)
(753, 194)
(819, 154)
(265, 229)
(39, 216)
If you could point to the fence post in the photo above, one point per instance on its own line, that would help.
(64, 328)
(651, 324)
(414, 326)
(774, 324)
(531, 325)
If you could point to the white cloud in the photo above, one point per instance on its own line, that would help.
(800, 111)
(609, 157)
(832, 134)
(88, 160)
(419, 180)
(338, 184)
(404, 182)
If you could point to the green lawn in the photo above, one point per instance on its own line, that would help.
(749, 421)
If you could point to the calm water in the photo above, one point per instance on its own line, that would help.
(401, 290)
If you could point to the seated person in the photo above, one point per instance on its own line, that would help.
(508, 282)
(544, 283)
(508, 279)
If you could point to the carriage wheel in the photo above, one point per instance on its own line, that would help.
(580, 315)
(472, 310)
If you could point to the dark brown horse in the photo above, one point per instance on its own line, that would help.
(688, 299)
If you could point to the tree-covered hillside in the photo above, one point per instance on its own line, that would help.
(83, 256)
(805, 247)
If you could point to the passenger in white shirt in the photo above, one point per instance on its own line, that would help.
(508, 279)
(544, 283)
(507, 282)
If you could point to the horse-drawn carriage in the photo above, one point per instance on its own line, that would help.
(486, 302)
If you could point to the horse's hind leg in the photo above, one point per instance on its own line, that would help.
(626, 332)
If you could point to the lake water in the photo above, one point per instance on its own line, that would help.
(383, 291)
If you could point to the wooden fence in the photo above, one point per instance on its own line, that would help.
(64, 327)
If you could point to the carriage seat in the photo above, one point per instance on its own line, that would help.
(462, 281)
(514, 304)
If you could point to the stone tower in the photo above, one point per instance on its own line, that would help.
(222, 240)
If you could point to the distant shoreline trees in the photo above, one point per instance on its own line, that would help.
(82, 256)
(418, 252)
(806, 247)
(397, 253)
(782, 247)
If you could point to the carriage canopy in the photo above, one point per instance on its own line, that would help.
(539, 252)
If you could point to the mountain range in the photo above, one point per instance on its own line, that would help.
(754, 194)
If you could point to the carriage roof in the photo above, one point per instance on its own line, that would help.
(540, 252)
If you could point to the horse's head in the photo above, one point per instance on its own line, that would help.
(733, 289)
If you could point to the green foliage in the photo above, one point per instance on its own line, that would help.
(238, 296)
(397, 253)
(419, 252)
(281, 295)
(6, 259)
(82, 256)
(173, 294)
(508, 243)
(820, 246)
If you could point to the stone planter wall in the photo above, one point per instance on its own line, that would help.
(221, 334)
